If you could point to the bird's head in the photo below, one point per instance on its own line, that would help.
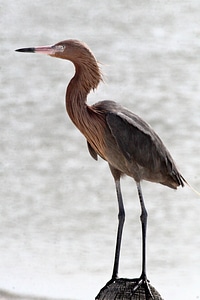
(79, 54)
(72, 50)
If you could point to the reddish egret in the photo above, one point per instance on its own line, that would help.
(124, 140)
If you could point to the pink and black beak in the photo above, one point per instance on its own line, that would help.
(49, 50)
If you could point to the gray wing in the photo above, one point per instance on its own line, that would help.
(138, 142)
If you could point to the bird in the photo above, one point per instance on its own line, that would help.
(123, 139)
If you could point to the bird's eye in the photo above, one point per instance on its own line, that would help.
(60, 48)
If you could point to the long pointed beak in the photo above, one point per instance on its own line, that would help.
(49, 50)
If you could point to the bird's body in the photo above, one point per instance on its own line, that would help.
(131, 146)
(114, 133)
(123, 139)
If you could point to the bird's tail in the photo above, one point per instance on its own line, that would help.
(191, 187)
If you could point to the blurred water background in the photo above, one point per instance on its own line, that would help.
(58, 208)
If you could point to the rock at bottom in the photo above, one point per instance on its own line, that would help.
(123, 289)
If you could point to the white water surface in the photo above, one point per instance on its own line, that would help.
(58, 208)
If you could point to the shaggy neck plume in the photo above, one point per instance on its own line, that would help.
(87, 77)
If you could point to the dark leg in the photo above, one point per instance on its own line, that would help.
(143, 219)
(142, 281)
(121, 219)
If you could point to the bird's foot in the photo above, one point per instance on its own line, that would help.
(143, 282)
(112, 280)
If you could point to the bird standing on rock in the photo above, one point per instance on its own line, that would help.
(123, 139)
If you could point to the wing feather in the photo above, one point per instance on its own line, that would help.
(138, 141)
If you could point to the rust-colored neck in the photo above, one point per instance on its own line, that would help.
(88, 120)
